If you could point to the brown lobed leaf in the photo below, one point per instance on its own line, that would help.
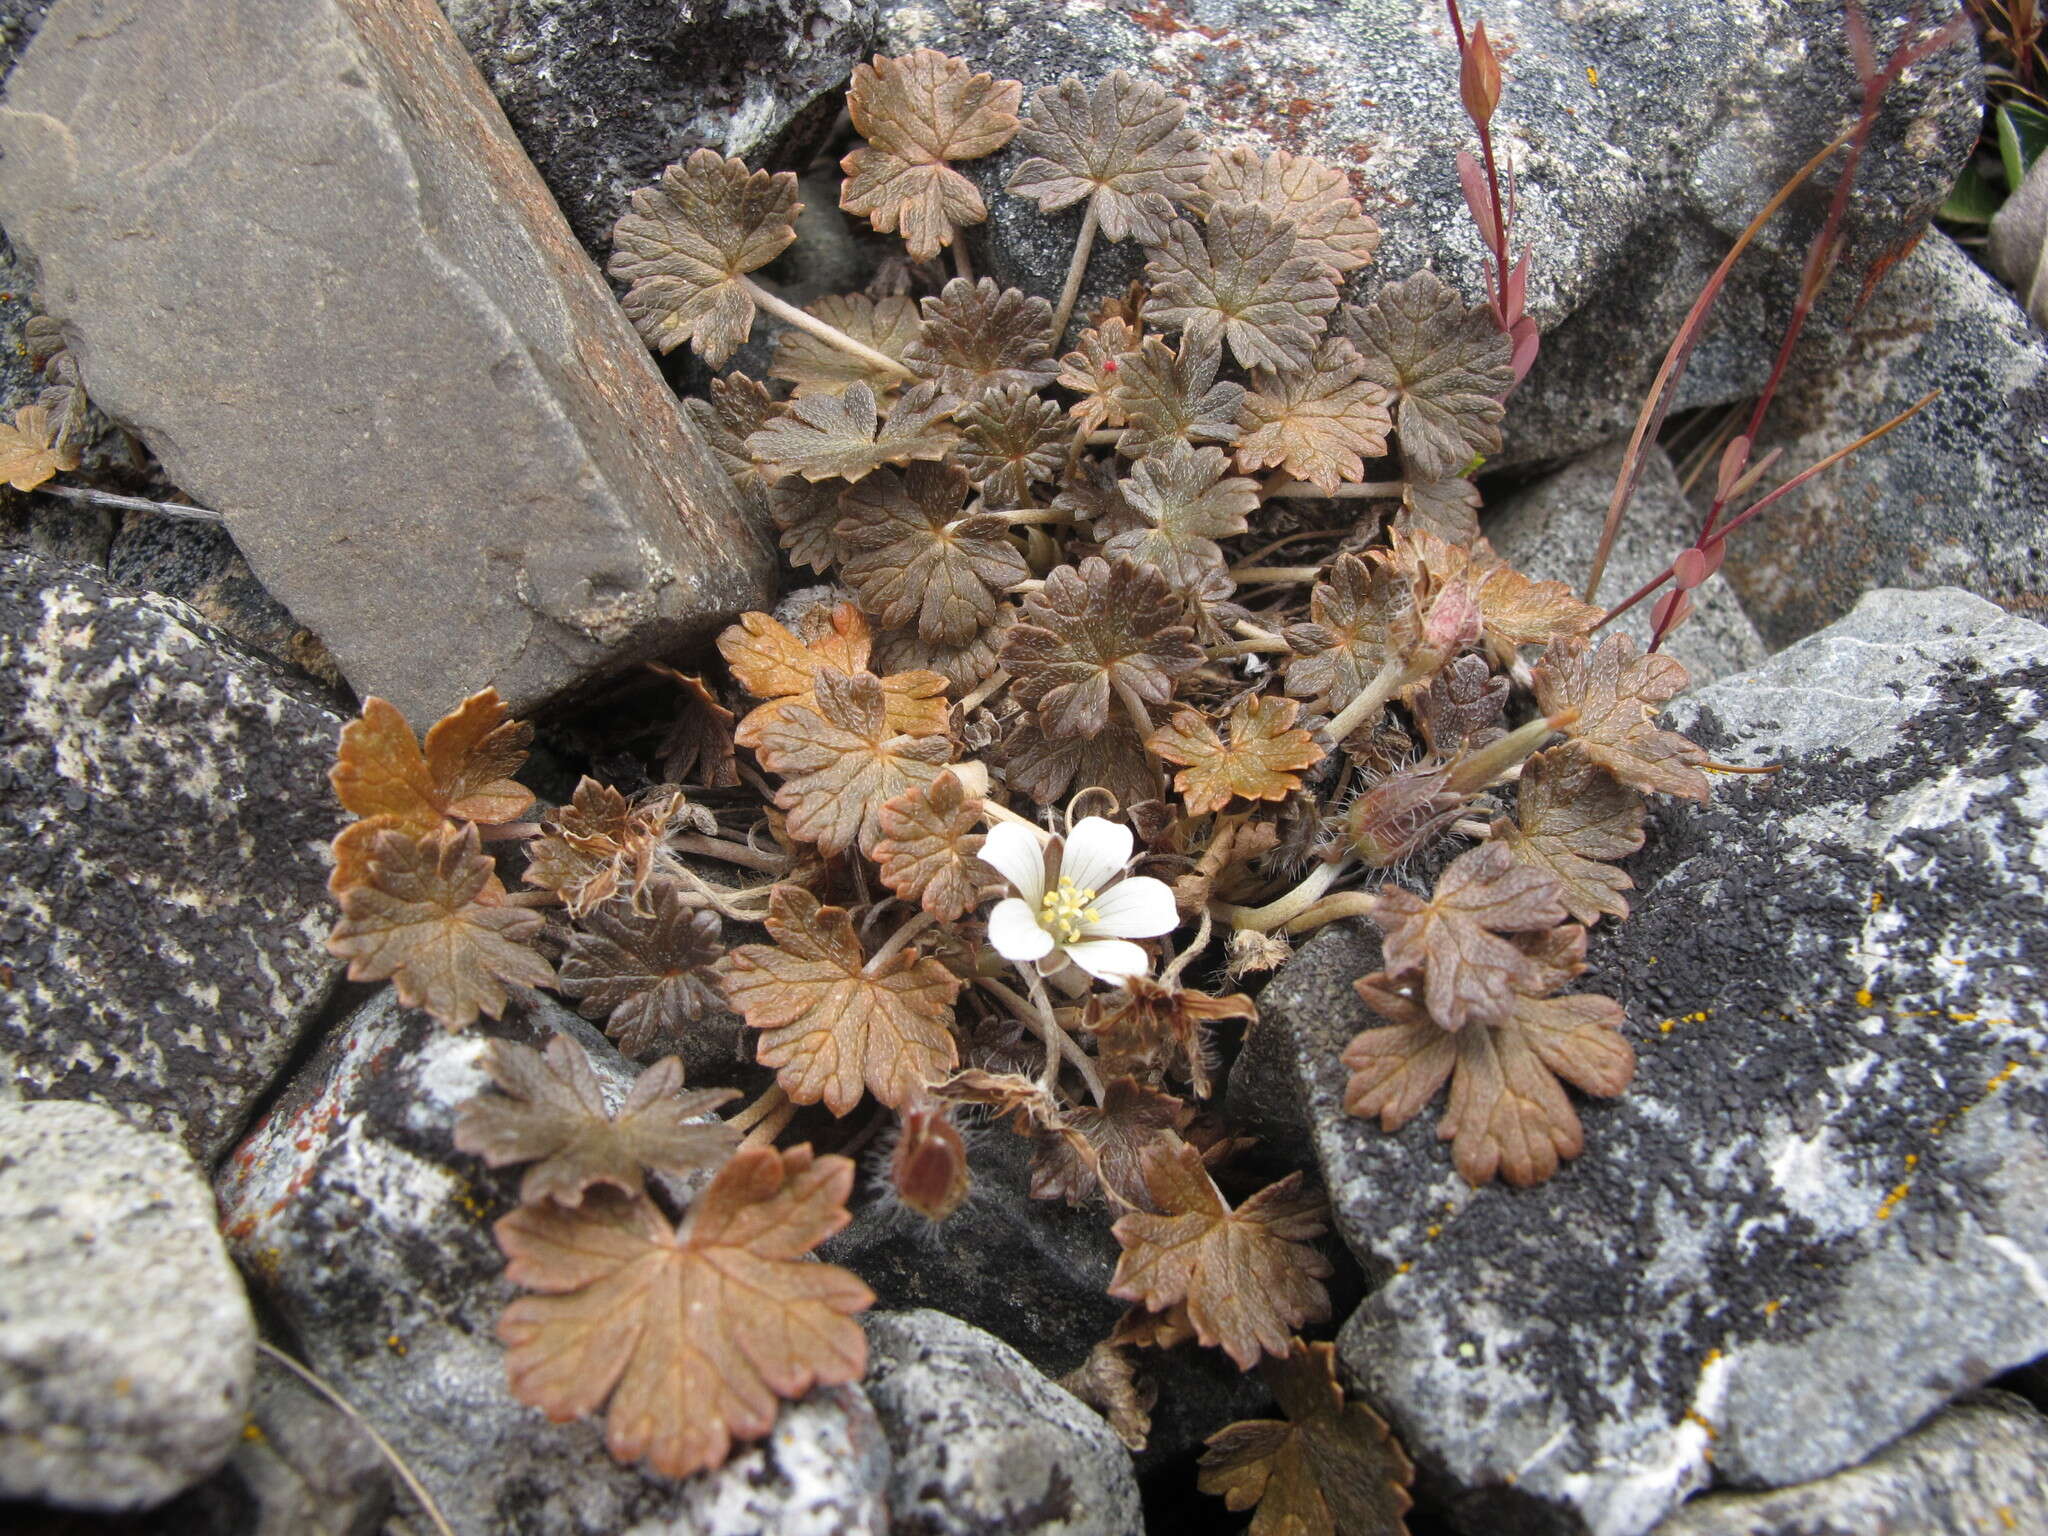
(1247, 1277)
(1107, 1382)
(688, 243)
(1123, 144)
(691, 1333)
(978, 337)
(844, 437)
(1571, 820)
(965, 666)
(1170, 396)
(1101, 1146)
(418, 922)
(551, 1113)
(1446, 365)
(465, 772)
(829, 1027)
(1514, 610)
(817, 367)
(1319, 422)
(1330, 1468)
(699, 739)
(782, 667)
(1011, 439)
(1237, 279)
(31, 450)
(1094, 369)
(647, 975)
(738, 408)
(1453, 940)
(1618, 695)
(1094, 631)
(1364, 614)
(1262, 760)
(1047, 767)
(1447, 508)
(1460, 707)
(918, 113)
(1177, 504)
(601, 844)
(1329, 226)
(930, 836)
(841, 758)
(807, 514)
(913, 558)
(1149, 1028)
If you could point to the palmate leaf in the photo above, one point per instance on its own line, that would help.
(844, 436)
(1247, 1277)
(1156, 1027)
(691, 1334)
(1048, 767)
(1514, 610)
(1171, 396)
(1453, 940)
(1329, 226)
(1262, 760)
(1102, 1146)
(688, 244)
(807, 516)
(930, 836)
(1178, 503)
(1447, 366)
(781, 666)
(918, 113)
(1447, 508)
(1618, 694)
(830, 1028)
(1123, 143)
(738, 408)
(1237, 278)
(551, 1113)
(601, 844)
(1093, 371)
(465, 772)
(965, 666)
(1011, 439)
(1091, 632)
(841, 758)
(978, 337)
(646, 975)
(1363, 614)
(1572, 819)
(914, 559)
(30, 449)
(1319, 423)
(815, 367)
(697, 746)
(1461, 707)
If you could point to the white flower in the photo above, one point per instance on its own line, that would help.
(1070, 903)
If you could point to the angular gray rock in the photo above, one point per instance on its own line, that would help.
(1643, 136)
(1979, 1466)
(126, 1344)
(370, 1237)
(163, 808)
(1821, 1211)
(605, 93)
(432, 431)
(983, 1443)
(1958, 496)
(1551, 529)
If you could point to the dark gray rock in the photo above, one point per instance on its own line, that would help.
(275, 197)
(1551, 529)
(983, 1443)
(1957, 496)
(1981, 1466)
(370, 1238)
(1630, 188)
(604, 93)
(1822, 1208)
(163, 808)
(126, 1344)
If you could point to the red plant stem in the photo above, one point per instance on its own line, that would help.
(1500, 223)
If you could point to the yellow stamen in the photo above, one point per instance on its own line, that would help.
(1065, 912)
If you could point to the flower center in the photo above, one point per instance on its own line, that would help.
(1065, 910)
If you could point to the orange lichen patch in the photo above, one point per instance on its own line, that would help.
(1891, 1201)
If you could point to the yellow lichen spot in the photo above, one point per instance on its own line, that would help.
(123, 1385)
(1876, 901)
(1712, 1356)
(1891, 1201)
(1864, 998)
(395, 1344)
(1592, 77)
(1403, 1267)
(1912, 1159)
(1694, 1416)
(1771, 1306)
(1667, 1025)
(1961, 1018)
(2004, 1076)
(253, 1432)
(1433, 1231)
(2005, 1517)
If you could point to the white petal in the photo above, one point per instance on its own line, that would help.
(1096, 850)
(1109, 959)
(1017, 855)
(1013, 929)
(1137, 908)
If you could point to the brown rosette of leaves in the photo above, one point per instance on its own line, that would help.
(646, 975)
(1175, 506)
(914, 559)
(1572, 820)
(978, 337)
(1364, 613)
(1262, 760)
(918, 113)
(601, 844)
(845, 437)
(781, 666)
(1319, 422)
(930, 836)
(33, 448)
(1155, 1028)
(841, 758)
(1618, 694)
(816, 367)
(1236, 278)
(1447, 365)
(1246, 1277)
(1454, 941)
(1171, 396)
(1102, 1146)
(1329, 226)
(698, 742)
(831, 1027)
(1330, 1468)
(691, 1333)
(420, 920)
(551, 1113)
(688, 244)
(1094, 633)
(1011, 439)
(1123, 144)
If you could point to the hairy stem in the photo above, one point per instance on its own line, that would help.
(1274, 575)
(892, 946)
(1330, 909)
(729, 852)
(1039, 1015)
(963, 265)
(1394, 675)
(1285, 909)
(764, 1134)
(1084, 244)
(831, 335)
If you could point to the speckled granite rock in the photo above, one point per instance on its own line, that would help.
(369, 1235)
(1821, 1210)
(983, 1443)
(432, 431)
(604, 93)
(1958, 496)
(163, 816)
(126, 1344)
(1644, 136)
(1551, 529)
(1981, 1466)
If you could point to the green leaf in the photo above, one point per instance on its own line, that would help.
(1973, 200)
(2022, 136)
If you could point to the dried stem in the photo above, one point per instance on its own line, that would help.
(831, 335)
(963, 265)
(729, 852)
(107, 499)
(1284, 909)
(1039, 1015)
(1077, 268)
(1274, 575)
(1330, 909)
(1395, 674)
(987, 690)
(764, 1134)
(892, 946)
(771, 1102)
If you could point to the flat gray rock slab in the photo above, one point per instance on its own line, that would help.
(126, 1344)
(164, 816)
(1981, 1466)
(299, 250)
(1821, 1211)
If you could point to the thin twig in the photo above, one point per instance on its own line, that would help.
(113, 503)
(831, 335)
